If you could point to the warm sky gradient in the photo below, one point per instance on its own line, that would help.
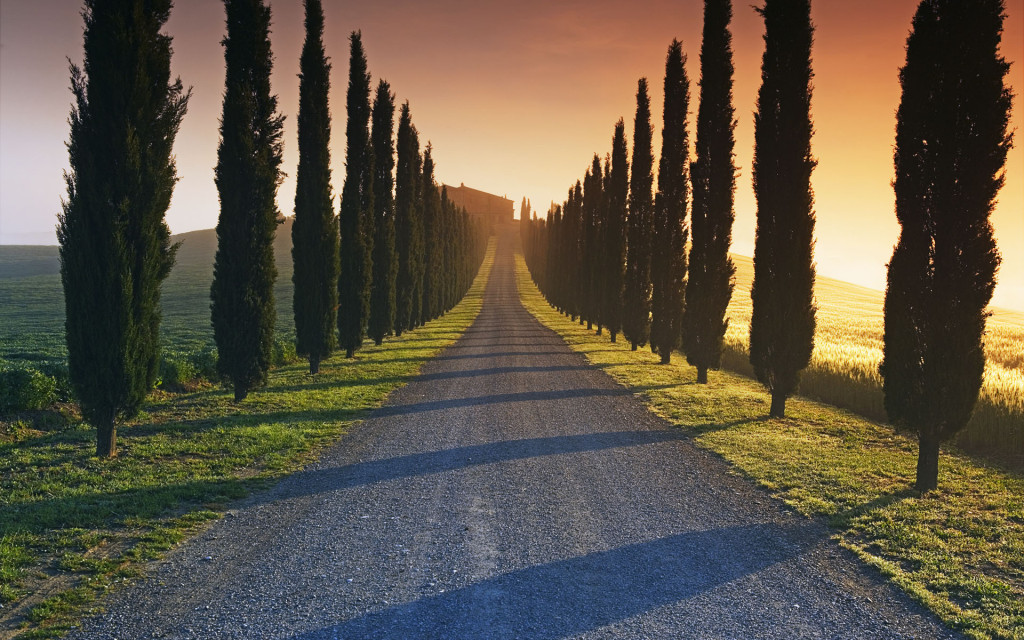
(516, 97)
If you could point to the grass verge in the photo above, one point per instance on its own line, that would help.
(73, 526)
(958, 550)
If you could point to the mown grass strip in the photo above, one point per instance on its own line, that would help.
(958, 550)
(85, 524)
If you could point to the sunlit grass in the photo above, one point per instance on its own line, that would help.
(848, 350)
(89, 522)
(958, 550)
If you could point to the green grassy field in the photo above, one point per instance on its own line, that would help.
(32, 299)
(958, 550)
(73, 526)
(848, 350)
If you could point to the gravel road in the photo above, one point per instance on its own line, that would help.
(512, 491)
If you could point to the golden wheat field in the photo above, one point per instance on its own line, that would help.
(848, 349)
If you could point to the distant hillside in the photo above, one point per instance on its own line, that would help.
(32, 301)
(32, 305)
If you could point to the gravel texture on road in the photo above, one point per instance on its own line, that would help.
(512, 491)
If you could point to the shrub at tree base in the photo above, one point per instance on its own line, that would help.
(23, 389)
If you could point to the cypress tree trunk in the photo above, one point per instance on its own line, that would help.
(115, 247)
(927, 461)
(315, 230)
(778, 409)
(356, 208)
(668, 251)
(106, 438)
(247, 176)
(783, 319)
(951, 145)
(637, 287)
(710, 284)
(385, 263)
(702, 375)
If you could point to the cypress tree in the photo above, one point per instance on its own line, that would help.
(408, 234)
(593, 209)
(554, 258)
(668, 246)
(951, 146)
(315, 230)
(572, 213)
(637, 288)
(356, 207)
(782, 324)
(385, 262)
(432, 250)
(713, 176)
(115, 247)
(615, 237)
(419, 238)
(247, 176)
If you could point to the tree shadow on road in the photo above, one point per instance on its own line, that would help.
(334, 478)
(573, 596)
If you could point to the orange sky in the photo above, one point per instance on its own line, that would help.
(516, 97)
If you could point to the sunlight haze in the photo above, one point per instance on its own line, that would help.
(515, 97)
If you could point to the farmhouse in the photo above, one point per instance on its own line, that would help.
(480, 205)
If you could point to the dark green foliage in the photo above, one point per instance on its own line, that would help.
(713, 175)
(385, 262)
(356, 211)
(418, 247)
(556, 273)
(247, 176)
(593, 208)
(408, 226)
(26, 389)
(951, 145)
(115, 247)
(315, 231)
(572, 213)
(782, 324)
(668, 245)
(636, 294)
(433, 251)
(617, 192)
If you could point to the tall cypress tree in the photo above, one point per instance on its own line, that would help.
(615, 237)
(713, 176)
(951, 145)
(572, 219)
(555, 273)
(408, 233)
(668, 246)
(356, 207)
(315, 231)
(637, 289)
(782, 324)
(593, 209)
(419, 237)
(385, 262)
(115, 247)
(432, 250)
(247, 175)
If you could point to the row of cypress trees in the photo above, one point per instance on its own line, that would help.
(408, 254)
(385, 265)
(951, 145)
(614, 253)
